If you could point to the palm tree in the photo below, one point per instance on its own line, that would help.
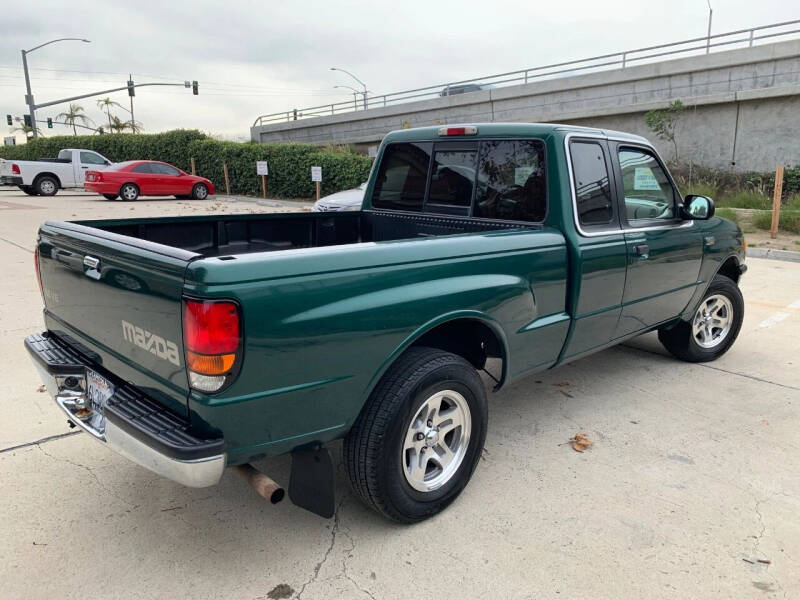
(73, 115)
(119, 126)
(106, 104)
(26, 129)
(134, 126)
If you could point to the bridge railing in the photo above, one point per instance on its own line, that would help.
(627, 58)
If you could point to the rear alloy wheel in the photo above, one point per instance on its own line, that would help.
(200, 191)
(110, 196)
(417, 441)
(129, 192)
(46, 186)
(714, 326)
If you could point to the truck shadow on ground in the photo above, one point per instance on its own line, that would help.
(552, 401)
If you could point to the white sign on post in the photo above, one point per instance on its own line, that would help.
(316, 173)
(262, 168)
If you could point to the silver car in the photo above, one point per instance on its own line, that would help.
(345, 200)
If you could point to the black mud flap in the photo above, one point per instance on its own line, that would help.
(311, 484)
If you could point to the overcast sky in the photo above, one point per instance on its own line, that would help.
(261, 57)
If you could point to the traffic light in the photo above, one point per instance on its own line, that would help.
(49, 123)
(28, 121)
(194, 87)
(131, 89)
(9, 119)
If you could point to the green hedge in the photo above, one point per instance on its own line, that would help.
(289, 164)
(289, 167)
(170, 146)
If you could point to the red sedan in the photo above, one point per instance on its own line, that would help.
(135, 178)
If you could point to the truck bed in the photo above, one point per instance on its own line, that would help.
(217, 236)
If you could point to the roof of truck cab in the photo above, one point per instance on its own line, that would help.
(494, 130)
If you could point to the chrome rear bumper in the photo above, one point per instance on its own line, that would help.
(130, 424)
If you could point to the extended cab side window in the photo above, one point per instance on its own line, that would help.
(592, 185)
(511, 181)
(402, 175)
(142, 168)
(648, 191)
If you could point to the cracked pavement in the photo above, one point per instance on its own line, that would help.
(691, 490)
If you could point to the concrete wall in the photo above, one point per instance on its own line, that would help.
(743, 107)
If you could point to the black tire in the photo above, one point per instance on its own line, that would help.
(110, 196)
(46, 185)
(28, 190)
(182, 197)
(681, 340)
(200, 191)
(129, 192)
(374, 452)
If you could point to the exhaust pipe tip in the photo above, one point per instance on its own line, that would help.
(262, 484)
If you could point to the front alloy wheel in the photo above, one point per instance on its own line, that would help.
(712, 321)
(713, 328)
(200, 192)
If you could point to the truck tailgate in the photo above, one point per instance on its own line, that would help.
(120, 299)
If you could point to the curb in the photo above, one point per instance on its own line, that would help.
(773, 254)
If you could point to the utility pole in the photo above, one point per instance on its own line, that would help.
(29, 96)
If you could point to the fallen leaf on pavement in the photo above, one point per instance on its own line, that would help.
(41, 388)
(580, 442)
(561, 384)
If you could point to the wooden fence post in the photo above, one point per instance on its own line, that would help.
(191, 160)
(227, 181)
(776, 202)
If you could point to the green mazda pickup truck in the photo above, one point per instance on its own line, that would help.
(191, 344)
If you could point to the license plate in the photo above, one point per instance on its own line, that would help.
(98, 390)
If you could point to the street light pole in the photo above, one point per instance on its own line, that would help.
(355, 94)
(29, 96)
(358, 80)
(708, 38)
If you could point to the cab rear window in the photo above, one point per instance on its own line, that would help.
(489, 179)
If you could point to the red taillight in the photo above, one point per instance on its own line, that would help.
(15, 168)
(212, 339)
(211, 327)
(38, 270)
(467, 130)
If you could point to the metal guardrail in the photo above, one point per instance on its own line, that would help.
(744, 37)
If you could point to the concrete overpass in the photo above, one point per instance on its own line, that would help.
(743, 107)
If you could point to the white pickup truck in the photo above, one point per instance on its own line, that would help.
(46, 176)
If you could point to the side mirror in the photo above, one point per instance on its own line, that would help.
(107, 163)
(698, 208)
